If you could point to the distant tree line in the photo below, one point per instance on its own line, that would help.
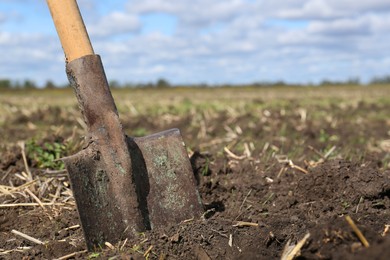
(381, 80)
(27, 85)
(6, 84)
(351, 81)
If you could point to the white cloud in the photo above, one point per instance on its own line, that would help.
(87, 4)
(347, 26)
(195, 13)
(328, 9)
(317, 9)
(2, 18)
(341, 31)
(351, 6)
(115, 23)
(31, 56)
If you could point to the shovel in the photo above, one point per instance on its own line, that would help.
(122, 185)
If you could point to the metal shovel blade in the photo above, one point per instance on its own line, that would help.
(123, 186)
(164, 181)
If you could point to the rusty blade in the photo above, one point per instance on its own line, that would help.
(165, 181)
(165, 187)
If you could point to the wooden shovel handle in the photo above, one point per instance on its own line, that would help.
(70, 28)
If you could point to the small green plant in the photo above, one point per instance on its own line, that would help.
(324, 137)
(94, 255)
(140, 132)
(205, 168)
(46, 155)
(345, 204)
(137, 248)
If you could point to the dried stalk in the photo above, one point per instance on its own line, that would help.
(35, 198)
(245, 224)
(357, 231)
(290, 252)
(29, 238)
(15, 205)
(22, 147)
(232, 155)
(71, 255)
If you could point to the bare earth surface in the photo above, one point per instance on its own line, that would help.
(271, 173)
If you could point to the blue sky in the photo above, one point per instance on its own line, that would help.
(206, 41)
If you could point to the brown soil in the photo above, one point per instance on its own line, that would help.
(255, 205)
(283, 208)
